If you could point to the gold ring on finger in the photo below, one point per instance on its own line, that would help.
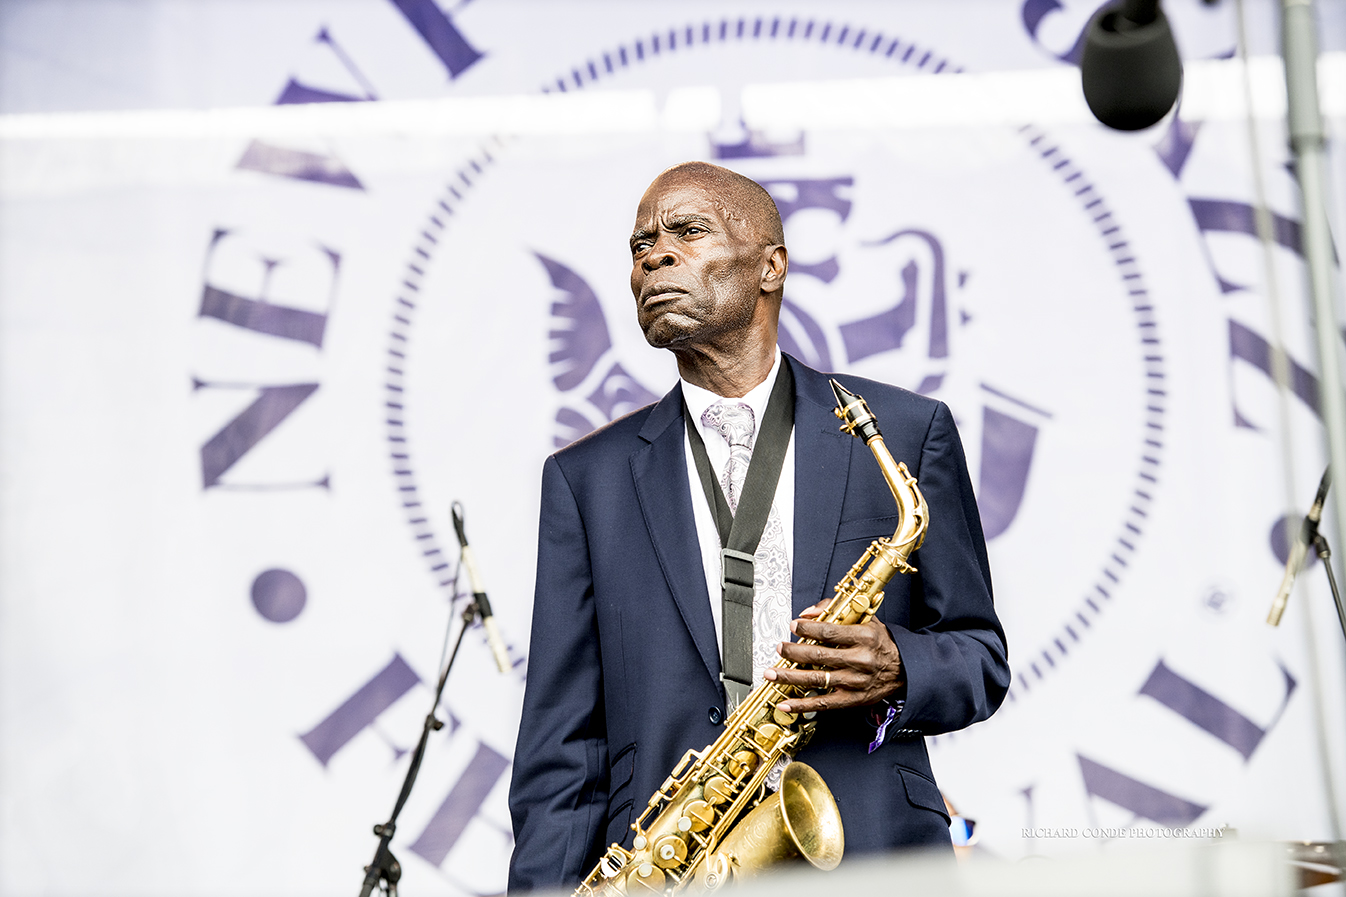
(827, 678)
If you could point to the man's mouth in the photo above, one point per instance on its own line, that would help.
(658, 293)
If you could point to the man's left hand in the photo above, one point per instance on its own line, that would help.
(859, 662)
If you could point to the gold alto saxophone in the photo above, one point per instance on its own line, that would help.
(710, 822)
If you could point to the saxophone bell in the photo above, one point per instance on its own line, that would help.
(800, 821)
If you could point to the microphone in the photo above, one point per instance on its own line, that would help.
(479, 594)
(1130, 69)
(1299, 549)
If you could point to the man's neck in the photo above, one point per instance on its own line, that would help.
(729, 375)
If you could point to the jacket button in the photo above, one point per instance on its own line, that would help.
(715, 716)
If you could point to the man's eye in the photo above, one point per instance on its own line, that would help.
(694, 229)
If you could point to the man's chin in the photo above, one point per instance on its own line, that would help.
(665, 334)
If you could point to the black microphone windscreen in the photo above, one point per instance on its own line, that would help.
(1131, 72)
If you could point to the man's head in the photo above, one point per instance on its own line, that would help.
(708, 261)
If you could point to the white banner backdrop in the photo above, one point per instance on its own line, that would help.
(244, 374)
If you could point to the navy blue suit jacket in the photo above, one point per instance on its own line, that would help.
(623, 673)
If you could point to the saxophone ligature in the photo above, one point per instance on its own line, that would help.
(712, 820)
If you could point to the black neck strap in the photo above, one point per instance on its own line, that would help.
(740, 532)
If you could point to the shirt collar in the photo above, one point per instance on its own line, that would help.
(698, 399)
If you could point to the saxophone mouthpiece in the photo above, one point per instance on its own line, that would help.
(856, 418)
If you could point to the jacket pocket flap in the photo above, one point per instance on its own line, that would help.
(922, 792)
(867, 528)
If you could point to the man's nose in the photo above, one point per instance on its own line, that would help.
(661, 255)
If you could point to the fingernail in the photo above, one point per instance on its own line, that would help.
(784, 708)
(769, 674)
(793, 624)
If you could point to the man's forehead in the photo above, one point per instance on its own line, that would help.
(662, 198)
(677, 198)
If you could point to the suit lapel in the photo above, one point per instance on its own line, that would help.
(822, 467)
(660, 473)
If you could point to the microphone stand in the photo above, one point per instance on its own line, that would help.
(1325, 553)
(385, 870)
(1308, 143)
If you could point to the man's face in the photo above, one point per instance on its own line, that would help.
(695, 273)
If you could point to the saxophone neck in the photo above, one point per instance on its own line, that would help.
(860, 422)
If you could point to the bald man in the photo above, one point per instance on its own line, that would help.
(626, 657)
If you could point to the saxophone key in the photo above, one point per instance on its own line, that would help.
(741, 763)
(669, 851)
(783, 718)
(699, 815)
(767, 735)
(645, 877)
(718, 790)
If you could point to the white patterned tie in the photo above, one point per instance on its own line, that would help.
(736, 423)
(771, 562)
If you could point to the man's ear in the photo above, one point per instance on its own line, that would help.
(775, 265)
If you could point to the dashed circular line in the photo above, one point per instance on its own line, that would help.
(748, 28)
(399, 337)
(1091, 605)
(902, 53)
